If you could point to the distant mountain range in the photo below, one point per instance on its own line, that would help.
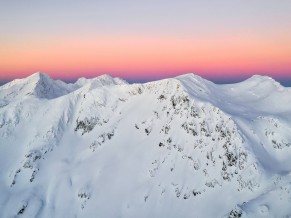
(177, 147)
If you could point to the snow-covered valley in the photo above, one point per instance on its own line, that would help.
(178, 147)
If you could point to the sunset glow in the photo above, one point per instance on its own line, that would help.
(214, 50)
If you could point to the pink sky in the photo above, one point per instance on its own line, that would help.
(144, 40)
(146, 57)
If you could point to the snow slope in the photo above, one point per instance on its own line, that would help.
(180, 147)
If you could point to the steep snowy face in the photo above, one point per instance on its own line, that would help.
(172, 148)
(262, 109)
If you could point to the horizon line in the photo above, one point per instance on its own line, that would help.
(217, 79)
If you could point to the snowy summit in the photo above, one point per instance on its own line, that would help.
(178, 147)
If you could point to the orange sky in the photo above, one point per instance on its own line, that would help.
(150, 54)
(145, 40)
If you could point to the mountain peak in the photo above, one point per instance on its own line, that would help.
(261, 78)
(193, 78)
(110, 79)
(105, 77)
(38, 84)
(195, 84)
(257, 82)
(38, 75)
(188, 75)
(101, 80)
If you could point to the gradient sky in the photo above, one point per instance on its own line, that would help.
(225, 40)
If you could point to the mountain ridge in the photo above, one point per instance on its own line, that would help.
(168, 148)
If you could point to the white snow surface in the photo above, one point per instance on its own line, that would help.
(178, 147)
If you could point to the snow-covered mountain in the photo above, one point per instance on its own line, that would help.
(179, 147)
